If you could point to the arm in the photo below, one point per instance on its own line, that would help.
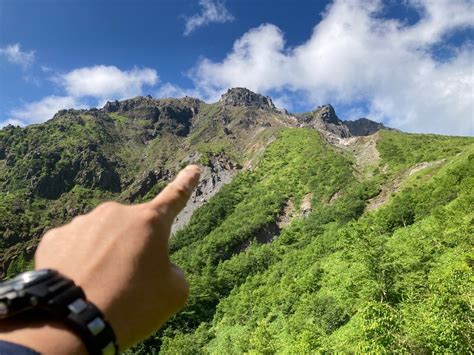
(119, 255)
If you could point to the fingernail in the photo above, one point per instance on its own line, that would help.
(195, 168)
(196, 171)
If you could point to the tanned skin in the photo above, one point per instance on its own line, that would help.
(119, 255)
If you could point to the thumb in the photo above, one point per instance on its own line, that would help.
(173, 198)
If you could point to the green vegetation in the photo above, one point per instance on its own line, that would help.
(402, 150)
(396, 280)
(18, 265)
(286, 258)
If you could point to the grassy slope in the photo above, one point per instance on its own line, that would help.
(338, 280)
(397, 279)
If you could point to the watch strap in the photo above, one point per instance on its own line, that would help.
(67, 302)
(89, 323)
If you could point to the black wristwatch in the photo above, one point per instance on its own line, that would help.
(49, 293)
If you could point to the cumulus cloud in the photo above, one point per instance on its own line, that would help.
(42, 110)
(13, 54)
(212, 11)
(82, 86)
(107, 81)
(356, 55)
(171, 90)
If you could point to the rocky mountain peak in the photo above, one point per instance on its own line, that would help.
(327, 114)
(130, 104)
(364, 127)
(172, 115)
(245, 97)
(324, 118)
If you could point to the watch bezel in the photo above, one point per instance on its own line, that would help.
(52, 295)
(26, 279)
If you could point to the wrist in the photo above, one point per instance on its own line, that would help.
(44, 308)
(45, 337)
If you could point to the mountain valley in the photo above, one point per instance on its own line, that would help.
(307, 233)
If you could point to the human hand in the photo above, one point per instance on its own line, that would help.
(119, 255)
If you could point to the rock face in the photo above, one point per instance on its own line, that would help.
(214, 175)
(147, 180)
(324, 118)
(171, 115)
(247, 98)
(363, 127)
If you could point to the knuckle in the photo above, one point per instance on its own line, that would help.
(77, 219)
(149, 216)
(107, 206)
(49, 235)
(181, 191)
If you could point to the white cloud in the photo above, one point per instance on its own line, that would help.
(107, 81)
(212, 11)
(283, 101)
(170, 90)
(356, 55)
(81, 86)
(15, 55)
(353, 56)
(42, 110)
(11, 121)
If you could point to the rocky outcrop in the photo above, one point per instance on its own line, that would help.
(324, 118)
(245, 97)
(146, 181)
(170, 115)
(219, 171)
(177, 115)
(364, 127)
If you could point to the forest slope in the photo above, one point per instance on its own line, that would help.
(306, 234)
(338, 279)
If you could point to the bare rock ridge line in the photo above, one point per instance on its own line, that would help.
(246, 98)
(180, 115)
(364, 127)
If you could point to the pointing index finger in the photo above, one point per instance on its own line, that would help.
(175, 195)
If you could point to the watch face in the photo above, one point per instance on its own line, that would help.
(26, 279)
(32, 277)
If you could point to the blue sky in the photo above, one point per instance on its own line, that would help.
(406, 63)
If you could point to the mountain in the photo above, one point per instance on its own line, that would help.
(364, 127)
(307, 233)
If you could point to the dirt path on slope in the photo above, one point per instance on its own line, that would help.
(367, 159)
(397, 183)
